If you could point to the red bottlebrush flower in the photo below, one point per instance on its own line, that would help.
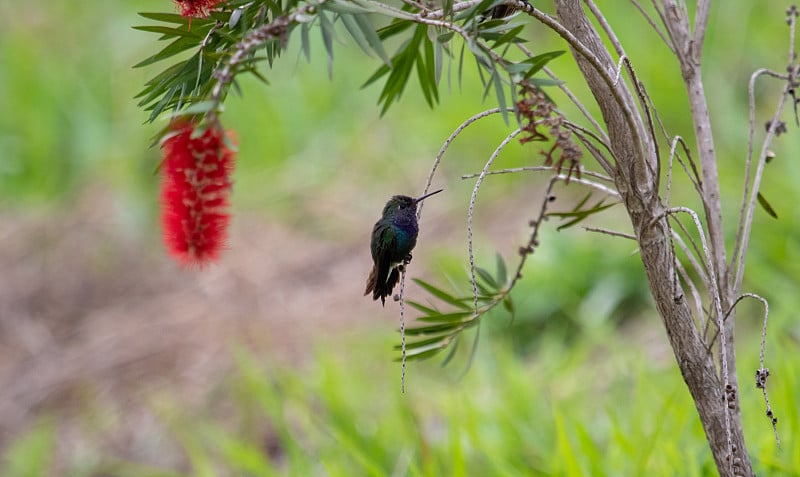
(196, 8)
(195, 188)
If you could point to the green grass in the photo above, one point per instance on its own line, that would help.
(603, 407)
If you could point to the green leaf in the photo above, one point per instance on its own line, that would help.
(442, 295)
(200, 107)
(544, 82)
(423, 353)
(476, 10)
(539, 61)
(305, 42)
(438, 57)
(580, 215)
(508, 304)
(355, 31)
(509, 36)
(380, 72)
(422, 308)
(168, 32)
(445, 37)
(487, 277)
(372, 38)
(177, 46)
(447, 317)
(394, 28)
(434, 329)
(455, 339)
(502, 274)
(165, 17)
(762, 201)
(501, 97)
(344, 8)
(439, 340)
(327, 38)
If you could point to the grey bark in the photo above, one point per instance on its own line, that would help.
(636, 180)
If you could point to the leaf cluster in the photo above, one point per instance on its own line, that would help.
(427, 42)
(209, 42)
(444, 319)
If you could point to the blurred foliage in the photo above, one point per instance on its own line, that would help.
(603, 408)
(596, 407)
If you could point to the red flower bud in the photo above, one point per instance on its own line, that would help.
(195, 188)
(196, 8)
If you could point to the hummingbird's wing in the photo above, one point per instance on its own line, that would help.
(384, 245)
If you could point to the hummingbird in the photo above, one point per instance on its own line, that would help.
(393, 238)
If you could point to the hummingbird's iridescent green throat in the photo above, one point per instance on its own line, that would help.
(393, 238)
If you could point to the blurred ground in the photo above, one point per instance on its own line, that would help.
(83, 310)
(95, 316)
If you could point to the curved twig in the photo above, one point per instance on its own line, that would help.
(444, 147)
(474, 195)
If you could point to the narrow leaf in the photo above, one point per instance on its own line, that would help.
(354, 30)
(762, 201)
(424, 309)
(305, 42)
(168, 32)
(165, 17)
(487, 277)
(327, 38)
(501, 97)
(446, 317)
(502, 274)
(450, 354)
(438, 340)
(372, 38)
(433, 329)
(442, 295)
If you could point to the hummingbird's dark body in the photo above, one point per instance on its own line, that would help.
(393, 238)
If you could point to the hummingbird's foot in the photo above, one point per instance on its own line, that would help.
(401, 268)
(407, 259)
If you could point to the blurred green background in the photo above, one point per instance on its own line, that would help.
(114, 361)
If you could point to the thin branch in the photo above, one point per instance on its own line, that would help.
(414, 4)
(593, 60)
(586, 138)
(749, 204)
(670, 38)
(513, 170)
(444, 147)
(695, 248)
(475, 189)
(600, 187)
(693, 178)
(701, 14)
(717, 302)
(574, 99)
(653, 25)
(563, 87)
(610, 232)
(402, 332)
(762, 373)
(649, 110)
(698, 302)
(254, 39)
(612, 37)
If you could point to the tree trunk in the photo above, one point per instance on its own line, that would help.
(636, 180)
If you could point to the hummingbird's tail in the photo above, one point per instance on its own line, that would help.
(381, 288)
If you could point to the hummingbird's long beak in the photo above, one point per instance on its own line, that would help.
(420, 199)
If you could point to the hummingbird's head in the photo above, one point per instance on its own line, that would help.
(401, 203)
